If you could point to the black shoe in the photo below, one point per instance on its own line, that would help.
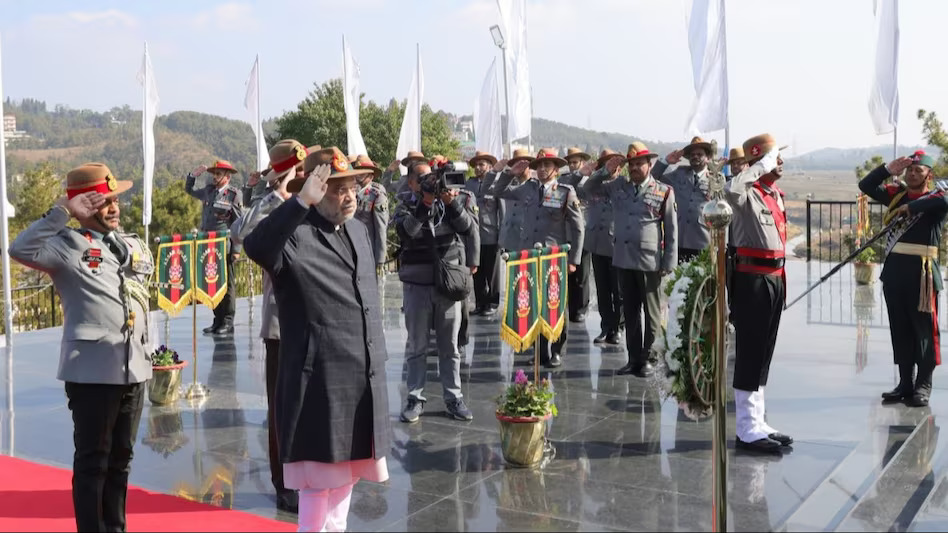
(225, 328)
(765, 445)
(477, 311)
(918, 400)
(458, 411)
(413, 410)
(555, 361)
(614, 338)
(784, 440)
(288, 500)
(641, 370)
(601, 338)
(210, 329)
(896, 395)
(578, 317)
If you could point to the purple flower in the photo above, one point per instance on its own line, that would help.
(521, 378)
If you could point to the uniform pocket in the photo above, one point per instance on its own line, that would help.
(90, 332)
(766, 218)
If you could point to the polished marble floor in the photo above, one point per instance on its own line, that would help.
(624, 459)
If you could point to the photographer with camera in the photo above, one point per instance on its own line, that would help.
(432, 224)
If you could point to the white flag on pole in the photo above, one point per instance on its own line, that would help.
(487, 132)
(513, 15)
(146, 77)
(351, 97)
(410, 135)
(707, 41)
(252, 104)
(884, 96)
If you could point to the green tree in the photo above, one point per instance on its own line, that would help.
(868, 166)
(321, 119)
(934, 133)
(34, 194)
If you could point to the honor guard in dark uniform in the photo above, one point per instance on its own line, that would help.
(373, 208)
(222, 205)
(758, 287)
(691, 192)
(490, 213)
(578, 282)
(600, 243)
(911, 276)
(511, 226)
(101, 275)
(551, 216)
(646, 234)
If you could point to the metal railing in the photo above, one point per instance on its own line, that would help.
(38, 306)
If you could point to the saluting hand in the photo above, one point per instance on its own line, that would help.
(674, 157)
(198, 171)
(85, 205)
(519, 168)
(498, 166)
(254, 179)
(614, 163)
(315, 187)
(587, 168)
(899, 165)
(393, 166)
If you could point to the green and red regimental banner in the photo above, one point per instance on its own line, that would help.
(521, 307)
(175, 287)
(210, 280)
(552, 290)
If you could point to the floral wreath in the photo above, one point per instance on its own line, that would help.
(681, 375)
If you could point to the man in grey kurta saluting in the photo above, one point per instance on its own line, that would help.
(331, 395)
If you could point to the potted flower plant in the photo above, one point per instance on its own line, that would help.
(522, 411)
(165, 384)
(864, 266)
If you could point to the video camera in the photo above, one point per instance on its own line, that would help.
(444, 176)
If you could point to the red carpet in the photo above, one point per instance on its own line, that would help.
(35, 497)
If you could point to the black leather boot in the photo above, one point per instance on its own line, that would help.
(923, 385)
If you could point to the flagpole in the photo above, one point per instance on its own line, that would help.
(5, 235)
(418, 86)
(895, 142)
(144, 123)
(258, 125)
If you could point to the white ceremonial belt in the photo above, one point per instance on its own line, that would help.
(920, 250)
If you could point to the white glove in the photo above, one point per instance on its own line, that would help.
(769, 161)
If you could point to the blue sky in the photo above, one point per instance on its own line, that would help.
(799, 69)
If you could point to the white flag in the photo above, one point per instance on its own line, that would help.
(487, 132)
(351, 98)
(252, 104)
(707, 41)
(513, 15)
(409, 138)
(146, 76)
(884, 96)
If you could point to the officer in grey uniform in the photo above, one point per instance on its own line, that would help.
(222, 205)
(511, 225)
(646, 246)
(599, 242)
(692, 190)
(579, 281)
(472, 259)
(551, 215)
(490, 214)
(284, 155)
(101, 275)
(372, 208)
(758, 289)
(401, 186)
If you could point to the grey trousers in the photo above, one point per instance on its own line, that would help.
(424, 309)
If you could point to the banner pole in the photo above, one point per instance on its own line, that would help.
(197, 391)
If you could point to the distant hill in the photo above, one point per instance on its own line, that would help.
(849, 158)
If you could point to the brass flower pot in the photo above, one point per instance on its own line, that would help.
(165, 384)
(522, 439)
(864, 273)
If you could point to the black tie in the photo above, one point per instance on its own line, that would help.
(116, 246)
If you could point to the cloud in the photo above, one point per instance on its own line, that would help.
(231, 16)
(111, 18)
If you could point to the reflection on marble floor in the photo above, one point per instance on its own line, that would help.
(624, 459)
